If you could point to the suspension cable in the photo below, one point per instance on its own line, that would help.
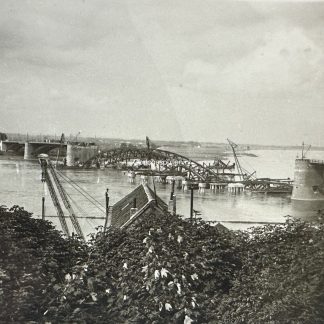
(81, 210)
(83, 193)
(249, 165)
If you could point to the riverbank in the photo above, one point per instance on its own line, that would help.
(164, 270)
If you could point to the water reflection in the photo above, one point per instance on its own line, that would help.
(307, 210)
(20, 184)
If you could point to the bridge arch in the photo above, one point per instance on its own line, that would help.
(45, 148)
(168, 160)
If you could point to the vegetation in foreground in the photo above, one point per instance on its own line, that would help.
(164, 270)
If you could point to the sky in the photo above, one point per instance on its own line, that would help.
(168, 69)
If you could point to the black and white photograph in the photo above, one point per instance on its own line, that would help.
(161, 161)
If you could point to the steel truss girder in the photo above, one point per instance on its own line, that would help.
(196, 170)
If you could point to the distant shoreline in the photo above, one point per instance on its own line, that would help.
(102, 141)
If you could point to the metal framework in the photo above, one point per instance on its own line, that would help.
(161, 160)
(66, 202)
(46, 177)
(267, 185)
(240, 171)
(48, 169)
(264, 185)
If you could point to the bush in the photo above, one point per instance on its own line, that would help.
(34, 259)
(282, 278)
(163, 270)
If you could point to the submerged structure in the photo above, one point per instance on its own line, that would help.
(309, 180)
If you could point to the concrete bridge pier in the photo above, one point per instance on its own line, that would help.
(69, 155)
(236, 187)
(3, 146)
(308, 180)
(217, 186)
(79, 154)
(186, 185)
(178, 182)
(202, 187)
(131, 176)
(144, 179)
(29, 150)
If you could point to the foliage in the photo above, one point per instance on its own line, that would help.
(282, 278)
(3, 136)
(163, 270)
(34, 259)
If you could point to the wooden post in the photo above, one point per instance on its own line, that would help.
(43, 208)
(174, 205)
(43, 179)
(156, 202)
(191, 203)
(107, 210)
(172, 189)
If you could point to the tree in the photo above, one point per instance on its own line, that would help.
(3, 137)
(162, 270)
(34, 259)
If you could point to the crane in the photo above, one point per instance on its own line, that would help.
(304, 151)
(266, 185)
(49, 173)
(237, 162)
(243, 176)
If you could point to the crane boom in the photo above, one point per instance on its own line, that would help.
(66, 202)
(54, 197)
(237, 162)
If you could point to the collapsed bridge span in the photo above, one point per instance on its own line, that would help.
(155, 159)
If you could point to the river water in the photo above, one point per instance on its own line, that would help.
(20, 184)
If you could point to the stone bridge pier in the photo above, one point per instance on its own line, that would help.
(3, 146)
(76, 153)
(29, 150)
(79, 154)
(32, 149)
(13, 146)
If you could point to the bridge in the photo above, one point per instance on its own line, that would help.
(160, 161)
(30, 149)
(14, 146)
(75, 151)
